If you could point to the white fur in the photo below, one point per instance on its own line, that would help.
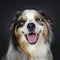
(39, 50)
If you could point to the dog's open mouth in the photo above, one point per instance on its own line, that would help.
(32, 37)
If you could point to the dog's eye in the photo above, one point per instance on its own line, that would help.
(37, 19)
(42, 20)
(21, 23)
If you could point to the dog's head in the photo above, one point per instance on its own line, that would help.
(31, 28)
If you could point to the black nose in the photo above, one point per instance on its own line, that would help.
(31, 26)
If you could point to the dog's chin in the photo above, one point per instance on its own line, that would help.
(32, 38)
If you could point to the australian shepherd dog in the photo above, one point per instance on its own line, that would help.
(31, 36)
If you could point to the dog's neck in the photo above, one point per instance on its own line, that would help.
(38, 52)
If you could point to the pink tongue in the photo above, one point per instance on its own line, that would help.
(32, 38)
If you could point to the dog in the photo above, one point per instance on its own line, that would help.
(31, 36)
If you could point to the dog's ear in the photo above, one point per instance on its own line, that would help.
(49, 22)
(47, 18)
(12, 23)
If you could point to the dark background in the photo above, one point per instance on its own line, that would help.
(8, 10)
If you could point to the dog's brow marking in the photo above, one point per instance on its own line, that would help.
(24, 17)
(36, 16)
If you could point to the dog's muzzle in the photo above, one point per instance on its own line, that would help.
(32, 36)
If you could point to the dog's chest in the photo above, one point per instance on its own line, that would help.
(38, 53)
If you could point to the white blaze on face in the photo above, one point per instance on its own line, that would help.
(30, 19)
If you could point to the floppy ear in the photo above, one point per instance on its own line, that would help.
(49, 23)
(48, 19)
(14, 19)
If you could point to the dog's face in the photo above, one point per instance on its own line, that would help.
(31, 29)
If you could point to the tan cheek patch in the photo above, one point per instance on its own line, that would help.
(35, 16)
(17, 33)
(22, 45)
(45, 32)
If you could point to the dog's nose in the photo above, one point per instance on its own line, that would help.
(31, 26)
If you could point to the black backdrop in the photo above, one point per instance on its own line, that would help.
(8, 10)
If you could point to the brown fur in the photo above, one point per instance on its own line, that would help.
(24, 18)
(22, 45)
(45, 32)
